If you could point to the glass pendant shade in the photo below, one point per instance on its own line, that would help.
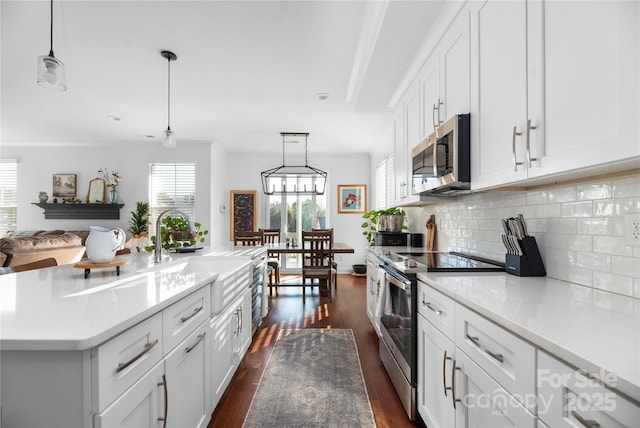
(168, 139)
(51, 73)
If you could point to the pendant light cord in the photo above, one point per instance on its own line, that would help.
(51, 31)
(169, 94)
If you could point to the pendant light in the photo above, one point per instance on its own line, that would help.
(50, 68)
(294, 179)
(168, 136)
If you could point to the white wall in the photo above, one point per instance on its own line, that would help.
(37, 163)
(578, 227)
(244, 174)
(218, 172)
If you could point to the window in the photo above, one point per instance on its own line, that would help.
(171, 186)
(384, 183)
(8, 195)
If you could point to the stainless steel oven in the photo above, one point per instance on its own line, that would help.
(398, 330)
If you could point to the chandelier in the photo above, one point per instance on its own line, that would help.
(294, 179)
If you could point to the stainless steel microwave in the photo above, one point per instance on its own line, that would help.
(441, 162)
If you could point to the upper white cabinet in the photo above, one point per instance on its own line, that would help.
(554, 88)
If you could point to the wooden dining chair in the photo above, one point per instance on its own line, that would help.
(334, 264)
(247, 238)
(49, 262)
(272, 236)
(316, 264)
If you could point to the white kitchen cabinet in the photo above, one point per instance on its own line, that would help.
(445, 76)
(230, 339)
(143, 405)
(436, 354)
(373, 288)
(483, 402)
(187, 378)
(407, 131)
(554, 88)
(567, 398)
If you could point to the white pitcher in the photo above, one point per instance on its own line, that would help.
(102, 243)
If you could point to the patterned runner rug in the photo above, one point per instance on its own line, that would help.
(313, 379)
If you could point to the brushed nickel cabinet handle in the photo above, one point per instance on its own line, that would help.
(163, 419)
(529, 128)
(586, 423)
(146, 349)
(430, 306)
(454, 400)
(444, 373)
(190, 348)
(240, 320)
(433, 117)
(440, 104)
(513, 148)
(193, 314)
(476, 341)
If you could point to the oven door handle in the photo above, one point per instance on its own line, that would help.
(398, 282)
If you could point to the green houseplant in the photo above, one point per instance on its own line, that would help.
(371, 218)
(175, 233)
(139, 223)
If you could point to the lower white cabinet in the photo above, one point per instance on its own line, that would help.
(567, 398)
(373, 287)
(230, 338)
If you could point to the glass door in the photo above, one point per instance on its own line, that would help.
(294, 213)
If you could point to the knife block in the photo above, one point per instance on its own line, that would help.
(529, 264)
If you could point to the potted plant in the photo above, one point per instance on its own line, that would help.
(380, 220)
(139, 223)
(175, 232)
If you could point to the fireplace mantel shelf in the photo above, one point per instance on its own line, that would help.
(80, 211)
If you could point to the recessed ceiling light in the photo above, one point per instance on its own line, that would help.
(322, 96)
(114, 118)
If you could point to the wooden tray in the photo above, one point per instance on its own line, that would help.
(87, 265)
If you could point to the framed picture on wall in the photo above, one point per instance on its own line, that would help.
(352, 198)
(244, 211)
(64, 185)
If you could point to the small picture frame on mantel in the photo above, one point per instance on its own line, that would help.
(64, 185)
(97, 191)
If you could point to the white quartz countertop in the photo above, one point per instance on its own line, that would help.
(58, 309)
(593, 330)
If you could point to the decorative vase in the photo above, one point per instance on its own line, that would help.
(102, 243)
(43, 197)
(113, 195)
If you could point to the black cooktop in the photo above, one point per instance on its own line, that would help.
(453, 262)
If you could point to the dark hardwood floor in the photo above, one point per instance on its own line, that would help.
(348, 310)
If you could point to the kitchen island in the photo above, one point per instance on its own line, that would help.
(134, 348)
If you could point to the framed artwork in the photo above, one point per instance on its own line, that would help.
(244, 211)
(352, 198)
(64, 185)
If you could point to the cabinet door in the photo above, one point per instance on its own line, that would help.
(142, 405)
(584, 102)
(484, 403)
(435, 361)
(432, 114)
(187, 370)
(399, 155)
(244, 330)
(222, 337)
(455, 71)
(498, 98)
(413, 125)
(372, 292)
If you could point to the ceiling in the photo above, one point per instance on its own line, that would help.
(246, 70)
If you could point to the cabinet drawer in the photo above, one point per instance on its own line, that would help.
(439, 309)
(184, 316)
(505, 357)
(124, 359)
(567, 398)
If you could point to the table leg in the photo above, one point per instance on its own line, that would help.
(86, 273)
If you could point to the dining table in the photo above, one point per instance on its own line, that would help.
(288, 248)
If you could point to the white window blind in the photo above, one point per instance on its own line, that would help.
(384, 183)
(8, 195)
(171, 186)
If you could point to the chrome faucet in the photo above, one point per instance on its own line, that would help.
(157, 252)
